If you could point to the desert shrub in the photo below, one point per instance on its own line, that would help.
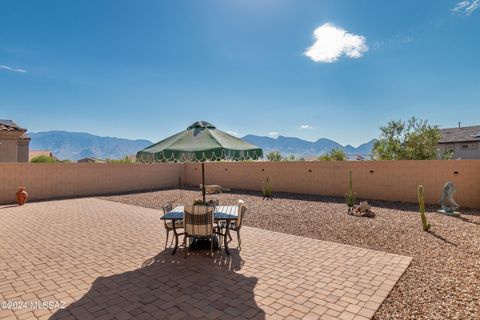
(43, 159)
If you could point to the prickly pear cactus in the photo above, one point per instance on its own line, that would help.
(421, 203)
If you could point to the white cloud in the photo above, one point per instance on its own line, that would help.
(466, 7)
(233, 133)
(331, 42)
(273, 134)
(306, 126)
(12, 69)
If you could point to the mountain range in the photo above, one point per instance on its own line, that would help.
(78, 145)
(304, 148)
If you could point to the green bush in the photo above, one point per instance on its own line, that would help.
(124, 160)
(274, 156)
(334, 155)
(43, 159)
(290, 158)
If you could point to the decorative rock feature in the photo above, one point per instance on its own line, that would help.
(214, 189)
(363, 210)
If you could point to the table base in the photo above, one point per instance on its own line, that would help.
(204, 244)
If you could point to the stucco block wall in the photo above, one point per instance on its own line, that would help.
(50, 181)
(381, 180)
(8, 150)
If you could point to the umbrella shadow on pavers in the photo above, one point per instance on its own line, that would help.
(172, 287)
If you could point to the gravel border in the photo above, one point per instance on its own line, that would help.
(443, 280)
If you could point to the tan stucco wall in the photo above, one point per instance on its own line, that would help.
(50, 181)
(8, 149)
(390, 180)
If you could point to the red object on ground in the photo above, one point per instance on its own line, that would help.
(21, 196)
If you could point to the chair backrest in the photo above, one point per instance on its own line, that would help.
(198, 220)
(167, 207)
(241, 211)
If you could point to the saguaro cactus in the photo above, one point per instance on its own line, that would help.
(350, 196)
(421, 203)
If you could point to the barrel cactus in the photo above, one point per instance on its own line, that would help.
(421, 203)
(350, 196)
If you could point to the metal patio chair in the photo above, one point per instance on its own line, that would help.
(198, 224)
(236, 225)
(169, 224)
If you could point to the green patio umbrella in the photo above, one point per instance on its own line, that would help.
(199, 143)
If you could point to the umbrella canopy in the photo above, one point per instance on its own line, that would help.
(200, 142)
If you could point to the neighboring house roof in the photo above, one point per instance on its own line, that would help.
(358, 157)
(9, 125)
(35, 153)
(462, 134)
(91, 160)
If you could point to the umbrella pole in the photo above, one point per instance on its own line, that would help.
(203, 181)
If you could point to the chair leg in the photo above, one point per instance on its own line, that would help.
(239, 240)
(220, 240)
(211, 246)
(185, 239)
(166, 241)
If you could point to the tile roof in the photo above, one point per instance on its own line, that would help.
(462, 134)
(35, 153)
(91, 159)
(9, 125)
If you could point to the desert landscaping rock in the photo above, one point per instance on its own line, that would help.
(443, 280)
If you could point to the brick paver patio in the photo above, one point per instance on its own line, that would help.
(105, 260)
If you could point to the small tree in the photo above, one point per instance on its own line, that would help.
(335, 154)
(448, 155)
(290, 158)
(274, 156)
(413, 140)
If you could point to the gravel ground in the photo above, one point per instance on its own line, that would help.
(443, 280)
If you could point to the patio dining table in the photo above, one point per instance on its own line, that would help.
(221, 213)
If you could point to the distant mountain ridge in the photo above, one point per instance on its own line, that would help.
(304, 148)
(78, 145)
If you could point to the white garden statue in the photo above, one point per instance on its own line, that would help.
(447, 202)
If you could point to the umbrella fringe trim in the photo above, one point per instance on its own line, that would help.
(232, 155)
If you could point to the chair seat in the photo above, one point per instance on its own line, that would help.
(178, 224)
(232, 225)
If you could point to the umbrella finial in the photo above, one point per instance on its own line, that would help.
(201, 124)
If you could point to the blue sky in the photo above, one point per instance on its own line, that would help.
(310, 69)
